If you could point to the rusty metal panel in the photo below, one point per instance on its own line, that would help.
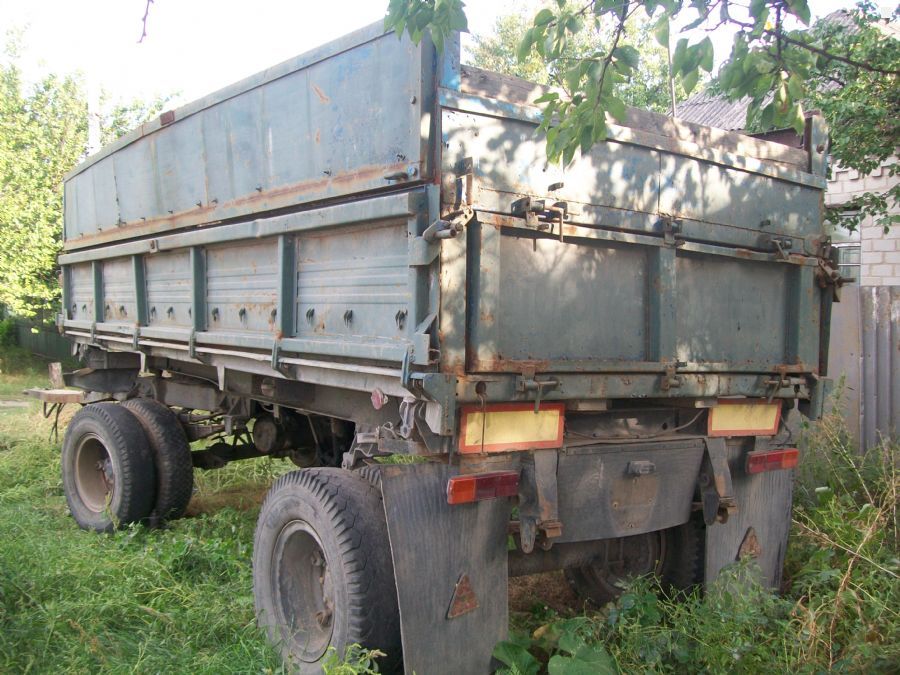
(509, 160)
(354, 283)
(168, 279)
(118, 292)
(743, 319)
(81, 292)
(690, 188)
(242, 286)
(880, 405)
(526, 289)
(602, 499)
(330, 123)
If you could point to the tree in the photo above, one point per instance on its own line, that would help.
(43, 135)
(781, 69)
(646, 86)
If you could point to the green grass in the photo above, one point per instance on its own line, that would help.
(172, 600)
(839, 609)
(20, 369)
(179, 599)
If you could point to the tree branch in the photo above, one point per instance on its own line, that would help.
(144, 21)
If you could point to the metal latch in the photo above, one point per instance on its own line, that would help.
(525, 384)
(448, 228)
(782, 246)
(528, 208)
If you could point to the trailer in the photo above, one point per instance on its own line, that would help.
(485, 365)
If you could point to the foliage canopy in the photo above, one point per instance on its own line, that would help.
(43, 135)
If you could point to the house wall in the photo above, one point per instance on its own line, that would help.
(879, 251)
(865, 325)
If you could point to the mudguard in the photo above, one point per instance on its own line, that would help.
(450, 563)
(759, 526)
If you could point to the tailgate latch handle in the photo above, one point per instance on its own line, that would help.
(524, 384)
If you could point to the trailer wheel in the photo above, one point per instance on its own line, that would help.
(674, 555)
(322, 570)
(107, 468)
(684, 562)
(602, 580)
(171, 454)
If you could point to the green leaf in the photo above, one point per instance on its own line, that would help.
(800, 9)
(525, 45)
(627, 55)
(616, 107)
(706, 54)
(689, 80)
(661, 31)
(516, 657)
(543, 17)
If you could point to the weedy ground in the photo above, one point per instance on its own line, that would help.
(179, 599)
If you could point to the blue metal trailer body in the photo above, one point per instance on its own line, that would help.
(371, 233)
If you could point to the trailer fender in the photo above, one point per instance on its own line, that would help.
(450, 565)
(758, 528)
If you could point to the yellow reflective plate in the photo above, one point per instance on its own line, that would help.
(744, 417)
(510, 426)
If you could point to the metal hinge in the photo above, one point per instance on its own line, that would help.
(671, 379)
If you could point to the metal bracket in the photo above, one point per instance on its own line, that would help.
(783, 246)
(671, 229)
(716, 490)
(528, 208)
(192, 347)
(539, 501)
(276, 347)
(671, 380)
(526, 383)
(449, 228)
(778, 384)
(136, 338)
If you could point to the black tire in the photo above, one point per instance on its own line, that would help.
(674, 555)
(322, 570)
(171, 454)
(685, 560)
(107, 468)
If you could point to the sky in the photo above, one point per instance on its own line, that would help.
(194, 47)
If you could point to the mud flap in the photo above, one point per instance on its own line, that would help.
(760, 525)
(450, 563)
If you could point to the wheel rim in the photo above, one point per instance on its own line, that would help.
(94, 476)
(304, 591)
(625, 558)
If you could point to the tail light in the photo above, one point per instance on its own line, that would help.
(478, 486)
(772, 460)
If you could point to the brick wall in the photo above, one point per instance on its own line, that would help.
(879, 252)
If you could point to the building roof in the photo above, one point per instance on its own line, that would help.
(712, 110)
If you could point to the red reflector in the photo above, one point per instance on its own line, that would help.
(772, 460)
(478, 486)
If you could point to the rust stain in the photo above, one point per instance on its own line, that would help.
(318, 136)
(323, 97)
